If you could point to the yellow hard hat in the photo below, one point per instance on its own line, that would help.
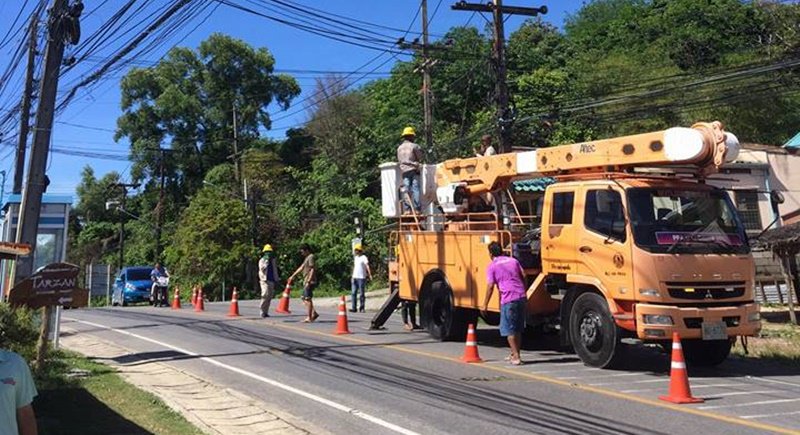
(267, 248)
(357, 247)
(408, 131)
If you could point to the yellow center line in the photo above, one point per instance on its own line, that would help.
(533, 376)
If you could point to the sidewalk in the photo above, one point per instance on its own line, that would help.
(213, 409)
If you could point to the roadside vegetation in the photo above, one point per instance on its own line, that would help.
(778, 342)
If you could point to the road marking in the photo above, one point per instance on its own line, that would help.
(530, 375)
(648, 381)
(779, 414)
(694, 387)
(601, 375)
(737, 393)
(299, 392)
(739, 405)
(774, 381)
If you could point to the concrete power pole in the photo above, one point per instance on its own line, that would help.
(25, 107)
(504, 116)
(426, 80)
(160, 209)
(62, 28)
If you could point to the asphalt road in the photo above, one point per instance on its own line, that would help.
(394, 381)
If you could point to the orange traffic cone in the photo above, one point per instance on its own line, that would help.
(341, 322)
(194, 296)
(233, 311)
(176, 301)
(283, 305)
(471, 347)
(199, 305)
(679, 391)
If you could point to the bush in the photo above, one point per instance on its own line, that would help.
(18, 330)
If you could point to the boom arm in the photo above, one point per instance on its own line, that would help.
(705, 146)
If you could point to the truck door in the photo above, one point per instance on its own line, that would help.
(604, 247)
(558, 230)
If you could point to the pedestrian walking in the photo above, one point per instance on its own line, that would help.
(409, 156)
(506, 273)
(268, 278)
(361, 273)
(17, 391)
(409, 312)
(309, 271)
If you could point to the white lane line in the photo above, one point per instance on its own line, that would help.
(737, 393)
(299, 392)
(649, 381)
(601, 375)
(774, 381)
(739, 405)
(694, 387)
(778, 414)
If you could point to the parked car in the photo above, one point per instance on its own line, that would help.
(132, 285)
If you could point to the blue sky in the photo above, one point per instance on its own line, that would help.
(293, 50)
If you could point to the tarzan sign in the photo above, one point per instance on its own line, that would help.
(54, 284)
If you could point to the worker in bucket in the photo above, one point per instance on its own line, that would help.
(409, 157)
(268, 277)
(309, 271)
(506, 273)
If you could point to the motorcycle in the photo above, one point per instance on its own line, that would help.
(159, 293)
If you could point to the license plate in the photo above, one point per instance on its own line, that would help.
(715, 331)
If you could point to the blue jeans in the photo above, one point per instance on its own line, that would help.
(411, 183)
(512, 317)
(358, 285)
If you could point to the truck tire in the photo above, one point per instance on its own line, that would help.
(706, 353)
(440, 316)
(593, 333)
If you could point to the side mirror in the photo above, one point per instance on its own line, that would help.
(776, 197)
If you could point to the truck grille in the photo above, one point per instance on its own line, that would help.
(697, 322)
(714, 290)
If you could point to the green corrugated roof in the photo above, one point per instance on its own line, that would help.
(793, 143)
(532, 185)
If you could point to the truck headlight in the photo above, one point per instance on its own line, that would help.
(657, 319)
(754, 317)
(649, 292)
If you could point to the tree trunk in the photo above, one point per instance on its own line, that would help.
(790, 291)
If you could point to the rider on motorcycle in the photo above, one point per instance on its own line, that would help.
(158, 291)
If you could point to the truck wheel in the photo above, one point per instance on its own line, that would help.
(706, 353)
(593, 332)
(443, 319)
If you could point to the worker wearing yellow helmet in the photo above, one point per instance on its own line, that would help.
(267, 277)
(409, 157)
(361, 273)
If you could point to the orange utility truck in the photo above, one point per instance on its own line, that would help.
(632, 245)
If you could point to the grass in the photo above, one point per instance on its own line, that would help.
(778, 342)
(80, 396)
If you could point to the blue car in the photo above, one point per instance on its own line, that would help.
(132, 285)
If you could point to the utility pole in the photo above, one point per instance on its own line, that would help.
(236, 156)
(62, 28)
(505, 118)
(159, 210)
(25, 107)
(426, 80)
(124, 187)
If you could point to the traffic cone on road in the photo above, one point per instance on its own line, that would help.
(233, 311)
(199, 305)
(679, 391)
(194, 296)
(471, 347)
(283, 305)
(176, 301)
(341, 322)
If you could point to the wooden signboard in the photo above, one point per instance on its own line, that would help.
(54, 284)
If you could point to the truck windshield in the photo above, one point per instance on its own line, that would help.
(685, 221)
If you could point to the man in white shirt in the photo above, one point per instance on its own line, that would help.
(16, 395)
(361, 273)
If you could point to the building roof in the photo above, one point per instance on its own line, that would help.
(532, 185)
(772, 149)
(16, 198)
(793, 143)
(783, 241)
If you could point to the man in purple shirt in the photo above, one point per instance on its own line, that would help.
(506, 273)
